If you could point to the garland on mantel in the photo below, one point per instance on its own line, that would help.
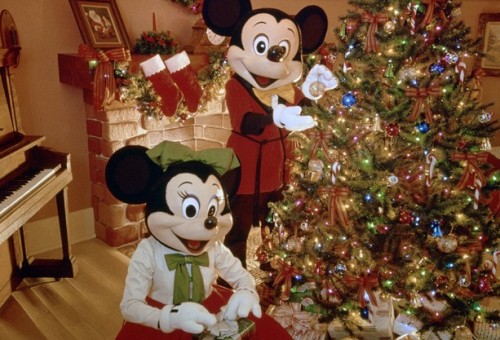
(135, 88)
(193, 5)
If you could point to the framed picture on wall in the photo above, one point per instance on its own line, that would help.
(100, 23)
(489, 31)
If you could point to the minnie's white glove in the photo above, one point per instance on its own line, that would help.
(241, 303)
(322, 74)
(289, 117)
(191, 317)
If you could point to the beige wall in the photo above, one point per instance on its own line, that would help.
(47, 27)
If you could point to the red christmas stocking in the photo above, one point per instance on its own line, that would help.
(185, 77)
(155, 71)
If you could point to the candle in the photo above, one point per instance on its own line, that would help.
(154, 22)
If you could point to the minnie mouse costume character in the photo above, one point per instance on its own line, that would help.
(169, 285)
(264, 104)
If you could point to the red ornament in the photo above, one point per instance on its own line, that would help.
(383, 229)
(320, 267)
(405, 217)
(392, 129)
(484, 285)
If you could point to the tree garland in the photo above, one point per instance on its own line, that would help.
(135, 88)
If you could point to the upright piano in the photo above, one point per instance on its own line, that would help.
(31, 175)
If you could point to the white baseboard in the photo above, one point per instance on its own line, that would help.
(43, 235)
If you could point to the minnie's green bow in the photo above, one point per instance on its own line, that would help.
(167, 153)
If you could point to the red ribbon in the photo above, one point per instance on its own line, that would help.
(104, 79)
(320, 138)
(374, 20)
(494, 204)
(365, 283)
(432, 4)
(421, 94)
(472, 171)
(336, 210)
(473, 247)
(285, 274)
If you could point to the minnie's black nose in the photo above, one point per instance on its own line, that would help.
(211, 222)
(276, 53)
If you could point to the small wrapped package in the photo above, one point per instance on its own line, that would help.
(377, 327)
(406, 324)
(300, 324)
(486, 330)
(243, 329)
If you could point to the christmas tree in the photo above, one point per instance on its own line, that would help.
(394, 194)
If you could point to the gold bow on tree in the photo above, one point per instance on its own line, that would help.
(337, 212)
(373, 20)
(429, 14)
(421, 95)
(365, 283)
(104, 78)
(472, 176)
(320, 138)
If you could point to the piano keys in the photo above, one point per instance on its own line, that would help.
(19, 188)
(50, 175)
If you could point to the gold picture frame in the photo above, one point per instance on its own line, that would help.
(489, 32)
(100, 23)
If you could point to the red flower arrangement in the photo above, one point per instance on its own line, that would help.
(153, 42)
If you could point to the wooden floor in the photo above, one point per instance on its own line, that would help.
(83, 307)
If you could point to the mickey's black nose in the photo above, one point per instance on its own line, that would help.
(276, 53)
(211, 222)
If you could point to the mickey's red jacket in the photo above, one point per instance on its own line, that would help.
(255, 139)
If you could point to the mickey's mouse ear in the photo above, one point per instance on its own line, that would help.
(221, 16)
(130, 174)
(313, 24)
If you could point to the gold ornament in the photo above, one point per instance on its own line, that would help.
(389, 26)
(463, 333)
(447, 244)
(315, 167)
(317, 89)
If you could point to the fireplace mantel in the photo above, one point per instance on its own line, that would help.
(74, 70)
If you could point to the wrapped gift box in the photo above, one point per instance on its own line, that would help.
(246, 330)
(300, 324)
(486, 330)
(377, 327)
(406, 324)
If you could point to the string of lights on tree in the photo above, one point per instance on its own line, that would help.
(395, 192)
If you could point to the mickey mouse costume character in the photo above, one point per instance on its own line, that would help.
(169, 285)
(263, 101)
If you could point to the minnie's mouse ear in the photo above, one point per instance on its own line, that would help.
(231, 181)
(130, 174)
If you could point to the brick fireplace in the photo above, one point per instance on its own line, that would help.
(117, 223)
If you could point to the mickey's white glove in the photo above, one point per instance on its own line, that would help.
(191, 317)
(289, 117)
(241, 303)
(322, 74)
